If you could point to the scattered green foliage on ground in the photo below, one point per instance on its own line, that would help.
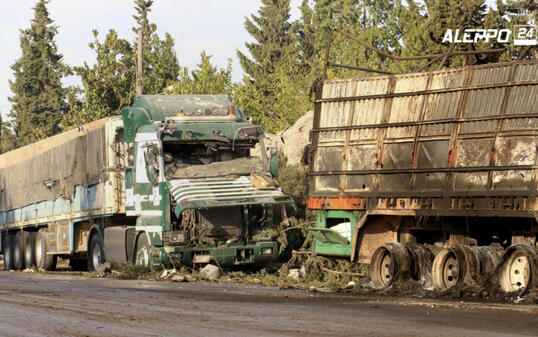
(315, 273)
(124, 271)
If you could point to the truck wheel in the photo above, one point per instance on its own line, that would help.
(517, 269)
(142, 257)
(43, 260)
(29, 249)
(7, 246)
(18, 251)
(95, 253)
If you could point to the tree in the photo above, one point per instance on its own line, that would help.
(270, 92)
(205, 79)
(160, 64)
(7, 137)
(424, 28)
(108, 83)
(271, 30)
(375, 22)
(507, 15)
(38, 102)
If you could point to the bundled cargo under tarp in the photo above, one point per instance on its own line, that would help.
(41, 179)
(458, 133)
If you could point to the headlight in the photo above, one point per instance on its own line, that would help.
(267, 251)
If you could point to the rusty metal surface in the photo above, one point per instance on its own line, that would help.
(470, 131)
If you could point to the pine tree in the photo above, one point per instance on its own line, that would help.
(38, 102)
(271, 30)
(273, 91)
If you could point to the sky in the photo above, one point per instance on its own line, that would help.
(216, 26)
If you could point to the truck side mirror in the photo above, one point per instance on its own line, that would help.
(151, 156)
(273, 162)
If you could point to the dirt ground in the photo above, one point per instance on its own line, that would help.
(36, 304)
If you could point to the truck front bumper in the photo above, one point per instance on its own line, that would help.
(225, 256)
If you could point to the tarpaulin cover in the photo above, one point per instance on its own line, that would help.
(238, 166)
(51, 168)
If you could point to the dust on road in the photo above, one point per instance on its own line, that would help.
(53, 305)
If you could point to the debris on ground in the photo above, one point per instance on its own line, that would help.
(172, 275)
(104, 269)
(210, 272)
(126, 271)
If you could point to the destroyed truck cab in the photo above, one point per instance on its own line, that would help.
(195, 190)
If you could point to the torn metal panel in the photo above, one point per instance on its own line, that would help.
(219, 192)
(447, 133)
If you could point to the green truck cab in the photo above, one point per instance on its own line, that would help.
(193, 186)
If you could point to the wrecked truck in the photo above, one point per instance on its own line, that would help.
(171, 181)
(430, 175)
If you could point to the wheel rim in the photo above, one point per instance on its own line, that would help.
(96, 256)
(446, 269)
(451, 271)
(382, 268)
(142, 257)
(516, 273)
(38, 251)
(386, 270)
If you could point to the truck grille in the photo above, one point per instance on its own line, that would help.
(220, 190)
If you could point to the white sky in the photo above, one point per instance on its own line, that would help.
(216, 26)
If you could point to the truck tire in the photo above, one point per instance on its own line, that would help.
(95, 252)
(44, 261)
(18, 251)
(29, 249)
(7, 246)
(143, 251)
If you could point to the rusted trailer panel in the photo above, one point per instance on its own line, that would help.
(443, 157)
(452, 142)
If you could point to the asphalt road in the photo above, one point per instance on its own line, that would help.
(67, 305)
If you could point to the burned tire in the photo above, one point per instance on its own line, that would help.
(422, 257)
(143, 250)
(95, 253)
(463, 265)
(390, 262)
(517, 269)
(44, 261)
(18, 251)
(29, 249)
(448, 269)
(7, 246)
